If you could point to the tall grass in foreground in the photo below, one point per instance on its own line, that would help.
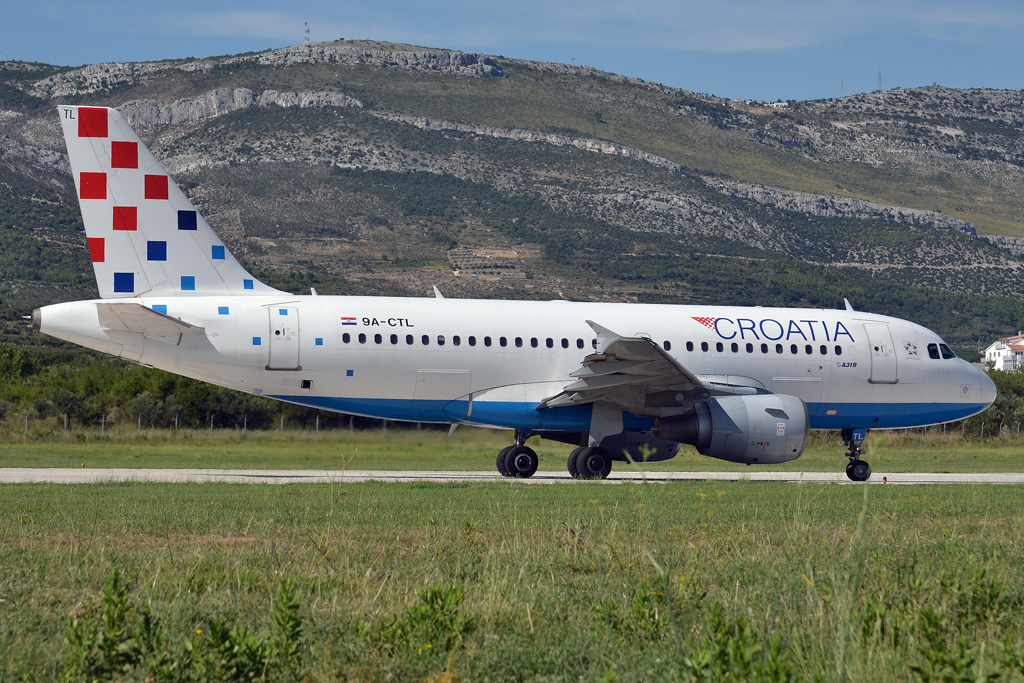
(688, 581)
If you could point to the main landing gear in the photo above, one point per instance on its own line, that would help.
(857, 470)
(589, 462)
(518, 461)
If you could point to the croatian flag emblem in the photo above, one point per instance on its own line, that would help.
(707, 322)
(348, 321)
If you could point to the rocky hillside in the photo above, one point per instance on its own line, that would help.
(373, 167)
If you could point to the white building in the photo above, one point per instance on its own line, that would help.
(1006, 354)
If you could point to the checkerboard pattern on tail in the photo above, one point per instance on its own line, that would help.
(144, 235)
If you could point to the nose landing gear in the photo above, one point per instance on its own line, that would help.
(857, 469)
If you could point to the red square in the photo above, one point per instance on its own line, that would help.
(126, 218)
(156, 187)
(92, 122)
(92, 186)
(124, 154)
(97, 249)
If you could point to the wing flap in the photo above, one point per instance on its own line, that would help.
(636, 374)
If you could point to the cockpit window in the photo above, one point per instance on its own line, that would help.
(933, 351)
(947, 352)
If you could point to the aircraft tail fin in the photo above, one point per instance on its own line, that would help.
(145, 237)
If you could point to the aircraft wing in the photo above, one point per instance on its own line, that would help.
(138, 318)
(638, 375)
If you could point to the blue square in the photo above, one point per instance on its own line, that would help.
(222, 310)
(247, 284)
(160, 308)
(188, 283)
(218, 252)
(187, 220)
(348, 373)
(124, 282)
(319, 341)
(283, 311)
(156, 251)
(255, 341)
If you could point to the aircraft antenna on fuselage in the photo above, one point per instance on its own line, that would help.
(437, 293)
(848, 306)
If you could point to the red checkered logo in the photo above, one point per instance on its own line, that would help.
(707, 322)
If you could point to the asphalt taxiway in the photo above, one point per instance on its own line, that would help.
(88, 475)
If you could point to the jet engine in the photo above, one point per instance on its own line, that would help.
(763, 428)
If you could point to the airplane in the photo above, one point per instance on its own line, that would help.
(617, 381)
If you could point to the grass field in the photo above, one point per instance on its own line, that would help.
(467, 449)
(489, 582)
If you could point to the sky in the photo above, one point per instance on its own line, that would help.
(750, 49)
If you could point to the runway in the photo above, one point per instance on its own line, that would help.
(177, 476)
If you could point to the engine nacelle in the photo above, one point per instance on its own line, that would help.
(765, 428)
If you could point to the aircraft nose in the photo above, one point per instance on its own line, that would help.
(987, 386)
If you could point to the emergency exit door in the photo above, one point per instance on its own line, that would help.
(284, 339)
(882, 352)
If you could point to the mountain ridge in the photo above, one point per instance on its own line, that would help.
(394, 164)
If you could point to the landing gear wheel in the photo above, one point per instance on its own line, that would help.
(521, 462)
(593, 463)
(571, 463)
(858, 470)
(501, 460)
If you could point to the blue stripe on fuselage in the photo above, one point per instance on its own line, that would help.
(577, 418)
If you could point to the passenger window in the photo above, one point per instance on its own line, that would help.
(719, 347)
(593, 342)
(689, 346)
(808, 349)
(457, 340)
(668, 345)
(933, 351)
(440, 340)
(346, 338)
(793, 349)
(549, 342)
(824, 350)
(377, 339)
(519, 342)
(426, 340)
(839, 350)
(503, 342)
(362, 338)
(579, 343)
(409, 339)
(750, 348)
(703, 346)
(487, 341)
(764, 348)
(533, 342)
(947, 353)
(778, 348)
(565, 343)
(735, 347)
(394, 339)
(472, 341)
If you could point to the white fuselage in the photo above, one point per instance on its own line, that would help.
(384, 357)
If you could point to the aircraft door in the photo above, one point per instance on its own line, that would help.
(284, 339)
(883, 354)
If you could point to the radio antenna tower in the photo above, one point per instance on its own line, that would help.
(306, 40)
(879, 79)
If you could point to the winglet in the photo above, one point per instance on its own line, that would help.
(848, 306)
(605, 337)
(437, 293)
